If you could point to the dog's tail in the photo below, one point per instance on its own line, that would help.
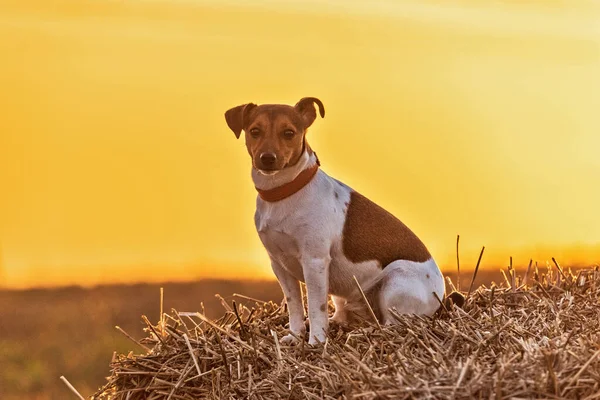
(454, 298)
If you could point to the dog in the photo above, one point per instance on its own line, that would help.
(319, 231)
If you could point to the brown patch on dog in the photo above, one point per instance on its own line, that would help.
(427, 275)
(372, 233)
(324, 307)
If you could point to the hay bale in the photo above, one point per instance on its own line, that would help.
(537, 340)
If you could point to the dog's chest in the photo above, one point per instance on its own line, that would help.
(303, 226)
(277, 232)
(281, 238)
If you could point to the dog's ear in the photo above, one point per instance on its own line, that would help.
(306, 108)
(235, 117)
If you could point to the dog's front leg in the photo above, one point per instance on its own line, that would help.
(316, 277)
(293, 297)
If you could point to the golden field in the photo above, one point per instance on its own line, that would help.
(46, 333)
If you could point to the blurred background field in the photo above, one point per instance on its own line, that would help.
(46, 333)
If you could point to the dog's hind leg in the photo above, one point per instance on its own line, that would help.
(409, 287)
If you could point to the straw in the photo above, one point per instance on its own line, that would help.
(534, 340)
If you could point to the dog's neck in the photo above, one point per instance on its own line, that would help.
(261, 181)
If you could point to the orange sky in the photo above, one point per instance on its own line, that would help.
(469, 117)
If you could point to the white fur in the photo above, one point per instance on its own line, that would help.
(303, 236)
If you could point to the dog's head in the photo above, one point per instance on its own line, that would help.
(275, 133)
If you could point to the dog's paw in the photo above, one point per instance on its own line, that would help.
(290, 340)
(317, 341)
(338, 319)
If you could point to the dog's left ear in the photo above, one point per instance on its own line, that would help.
(235, 117)
(306, 108)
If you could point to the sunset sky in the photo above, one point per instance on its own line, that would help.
(473, 117)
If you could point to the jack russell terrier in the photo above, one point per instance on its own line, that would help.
(319, 231)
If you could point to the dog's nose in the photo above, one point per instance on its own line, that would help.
(268, 158)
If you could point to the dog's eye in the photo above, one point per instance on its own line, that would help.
(255, 132)
(288, 134)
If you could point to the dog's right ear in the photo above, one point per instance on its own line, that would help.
(235, 117)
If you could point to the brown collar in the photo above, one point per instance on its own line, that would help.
(288, 189)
